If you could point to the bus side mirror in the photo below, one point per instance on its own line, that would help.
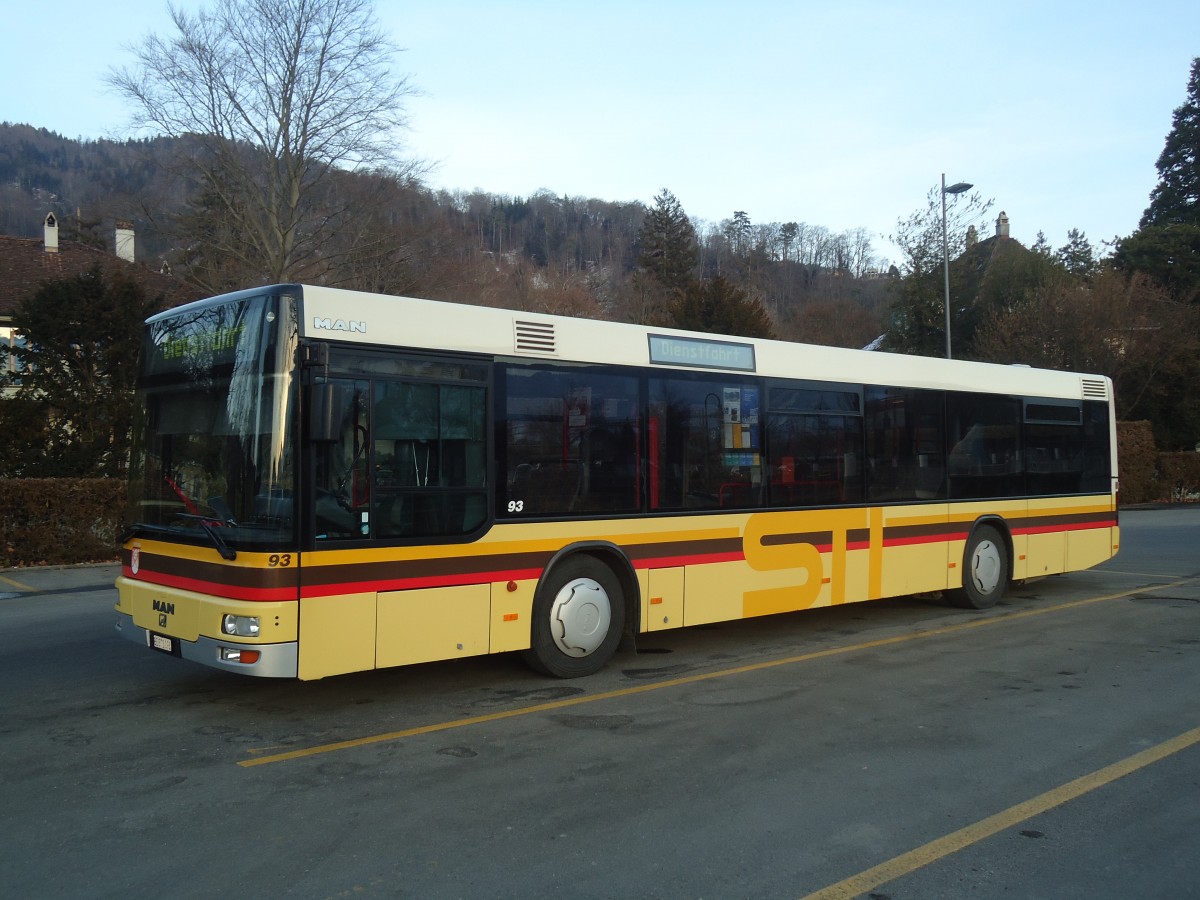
(323, 415)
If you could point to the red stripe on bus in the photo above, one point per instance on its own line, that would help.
(411, 584)
(669, 562)
(1058, 529)
(214, 588)
(284, 593)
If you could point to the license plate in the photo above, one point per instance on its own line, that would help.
(164, 644)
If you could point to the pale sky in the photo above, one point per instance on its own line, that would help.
(840, 114)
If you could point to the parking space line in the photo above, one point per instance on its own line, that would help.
(942, 847)
(981, 622)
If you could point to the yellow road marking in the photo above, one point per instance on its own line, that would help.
(1014, 815)
(981, 622)
(16, 584)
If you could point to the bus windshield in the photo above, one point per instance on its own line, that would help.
(214, 457)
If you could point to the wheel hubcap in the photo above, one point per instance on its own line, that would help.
(580, 616)
(985, 567)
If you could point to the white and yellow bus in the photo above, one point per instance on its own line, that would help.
(327, 481)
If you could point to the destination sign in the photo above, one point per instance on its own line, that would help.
(698, 353)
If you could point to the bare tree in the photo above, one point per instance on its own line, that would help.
(859, 253)
(280, 94)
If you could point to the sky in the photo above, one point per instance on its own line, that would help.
(835, 114)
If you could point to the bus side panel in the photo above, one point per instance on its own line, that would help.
(512, 613)
(430, 624)
(919, 550)
(1068, 533)
(1047, 541)
(1087, 547)
(714, 592)
(338, 634)
(1046, 554)
(662, 598)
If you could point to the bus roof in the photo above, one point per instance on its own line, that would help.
(393, 321)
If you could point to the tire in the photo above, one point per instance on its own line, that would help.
(578, 615)
(985, 570)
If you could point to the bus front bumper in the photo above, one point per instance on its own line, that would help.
(272, 660)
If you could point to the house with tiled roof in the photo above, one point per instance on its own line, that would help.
(27, 263)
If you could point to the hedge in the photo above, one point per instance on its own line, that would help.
(55, 521)
(1179, 475)
(1137, 461)
(1148, 476)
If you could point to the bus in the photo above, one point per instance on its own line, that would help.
(326, 481)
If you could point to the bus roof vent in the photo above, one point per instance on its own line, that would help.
(1095, 389)
(535, 337)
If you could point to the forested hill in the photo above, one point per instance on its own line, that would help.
(92, 181)
(555, 253)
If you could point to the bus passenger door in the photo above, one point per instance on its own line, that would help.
(342, 491)
(337, 630)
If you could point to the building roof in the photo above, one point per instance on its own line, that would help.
(25, 265)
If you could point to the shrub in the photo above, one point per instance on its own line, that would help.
(54, 521)
(1179, 474)
(1136, 458)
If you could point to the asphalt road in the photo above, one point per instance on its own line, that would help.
(1049, 748)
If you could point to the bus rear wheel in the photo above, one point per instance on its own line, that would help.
(578, 615)
(985, 570)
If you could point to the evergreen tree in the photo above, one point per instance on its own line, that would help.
(1170, 254)
(1077, 255)
(73, 405)
(1167, 245)
(1175, 200)
(668, 243)
(718, 307)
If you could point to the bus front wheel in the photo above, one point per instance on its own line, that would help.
(985, 570)
(578, 614)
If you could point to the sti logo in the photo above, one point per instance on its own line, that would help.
(321, 324)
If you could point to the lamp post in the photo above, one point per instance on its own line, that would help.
(956, 188)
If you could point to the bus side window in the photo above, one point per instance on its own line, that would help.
(430, 459)
(982, 433)
(570, 441)
(705, 438)
(905, 429)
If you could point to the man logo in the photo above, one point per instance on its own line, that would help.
(321, 324)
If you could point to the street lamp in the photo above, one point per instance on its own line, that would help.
(957, 188)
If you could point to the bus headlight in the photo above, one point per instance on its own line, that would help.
(242, 626)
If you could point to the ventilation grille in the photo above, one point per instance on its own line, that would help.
(1095, 389)
(535, 337)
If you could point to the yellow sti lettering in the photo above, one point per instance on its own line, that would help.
(793, 541)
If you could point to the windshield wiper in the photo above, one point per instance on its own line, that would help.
(223, 548)
(136, 527)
